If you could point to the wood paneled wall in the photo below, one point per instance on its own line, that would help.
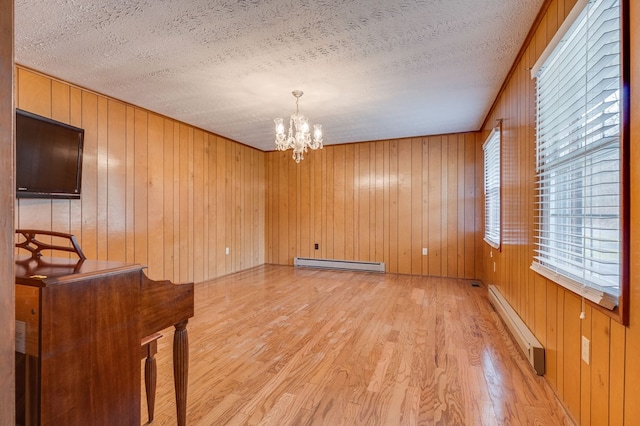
(154, 191)
(607, 390)
(7, 191)
(379, 201)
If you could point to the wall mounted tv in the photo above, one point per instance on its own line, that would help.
(48, 157)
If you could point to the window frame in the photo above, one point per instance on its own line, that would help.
(495, 136)
(621, 312)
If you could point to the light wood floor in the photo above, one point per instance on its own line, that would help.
(282, 346)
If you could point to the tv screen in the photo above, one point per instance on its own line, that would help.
(48, 157)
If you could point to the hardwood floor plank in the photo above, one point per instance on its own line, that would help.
(275, 345)
(350, 415)
(381, 368)
(411, 407)
(220, 411)
(280, 409)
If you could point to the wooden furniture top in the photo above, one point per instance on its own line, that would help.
(48, 271)
(162, 303)
(41, 271)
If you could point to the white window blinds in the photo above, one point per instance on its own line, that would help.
(491, 150)
(578, 157)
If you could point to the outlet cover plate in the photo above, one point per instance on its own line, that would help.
(585, 349)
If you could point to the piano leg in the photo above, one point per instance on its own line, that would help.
(180, 369)
(150, 373)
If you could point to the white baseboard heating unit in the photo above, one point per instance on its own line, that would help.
(345, 265)
(528, 343)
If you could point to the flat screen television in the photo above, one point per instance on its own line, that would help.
(48, 157)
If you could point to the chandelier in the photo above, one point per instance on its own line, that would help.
(298, 137)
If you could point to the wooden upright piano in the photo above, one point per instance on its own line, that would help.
(79, 325)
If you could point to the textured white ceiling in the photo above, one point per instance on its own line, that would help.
(370, 69)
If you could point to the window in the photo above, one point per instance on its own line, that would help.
(578, 150)
(491, 150)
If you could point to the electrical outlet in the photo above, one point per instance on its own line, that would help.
(316, 246)
(226, 250)
(586, 347)
(425, 251)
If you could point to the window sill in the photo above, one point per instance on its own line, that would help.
(601, 301)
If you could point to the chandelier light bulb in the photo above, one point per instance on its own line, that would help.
(298, 137)
(304, 125)
(279, 126)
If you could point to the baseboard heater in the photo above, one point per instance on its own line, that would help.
(528, 343)
(345, 265)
